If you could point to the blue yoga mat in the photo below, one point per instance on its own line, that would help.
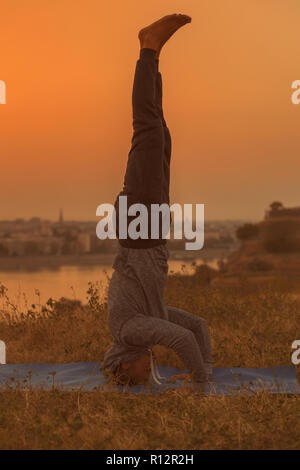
(87, 377)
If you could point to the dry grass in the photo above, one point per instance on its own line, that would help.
(250, 325)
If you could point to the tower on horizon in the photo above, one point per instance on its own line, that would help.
(61, 217)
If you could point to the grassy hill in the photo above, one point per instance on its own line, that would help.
(251, 326)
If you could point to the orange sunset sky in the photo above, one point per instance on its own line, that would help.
(65, 131)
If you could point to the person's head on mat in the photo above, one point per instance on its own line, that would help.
(133, 372)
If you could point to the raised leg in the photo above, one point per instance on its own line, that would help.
(147, 176)
(144, 173)
(167, 141)
(146, 170)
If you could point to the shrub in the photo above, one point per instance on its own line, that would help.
(281, 236)
(247, 231)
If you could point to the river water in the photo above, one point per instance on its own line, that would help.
(67, 281)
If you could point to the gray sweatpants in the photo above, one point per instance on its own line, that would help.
(183, 332)
(139, 318)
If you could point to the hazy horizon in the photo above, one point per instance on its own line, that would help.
(26, 219)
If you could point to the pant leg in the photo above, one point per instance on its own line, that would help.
(146, 331)
(198, 326)
(167, 141)
(159, 94)
(147, 174)
(144, 173)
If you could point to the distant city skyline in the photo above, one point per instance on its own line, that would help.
(66, 219)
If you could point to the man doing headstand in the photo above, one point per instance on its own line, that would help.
(137, 315)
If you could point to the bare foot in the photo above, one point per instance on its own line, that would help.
(157, 34)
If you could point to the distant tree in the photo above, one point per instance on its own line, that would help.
(204, 273)
(247, 231)
(282, 236)
(276, 206)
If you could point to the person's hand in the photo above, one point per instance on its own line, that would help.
(185, 377)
